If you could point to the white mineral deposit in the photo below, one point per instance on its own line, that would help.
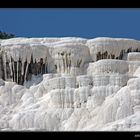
(69, 84)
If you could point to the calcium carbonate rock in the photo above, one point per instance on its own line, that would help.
(2, 83)
(108, 48)
(100, 80)
(133, 66)
(108, 66)
(134, 56)
(69, 84)
(84, 81)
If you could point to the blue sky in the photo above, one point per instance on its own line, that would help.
(87, 23)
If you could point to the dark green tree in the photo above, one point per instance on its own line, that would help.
(4, 35)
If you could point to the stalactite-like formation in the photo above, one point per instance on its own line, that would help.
(18, 62)
(19, 72)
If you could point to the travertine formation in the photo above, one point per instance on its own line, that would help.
(21, 58)
(69, 84)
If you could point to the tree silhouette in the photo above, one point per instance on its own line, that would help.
(4, 35)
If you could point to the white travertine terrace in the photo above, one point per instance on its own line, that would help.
(135, 56)
(56, 84)
(109, 66)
